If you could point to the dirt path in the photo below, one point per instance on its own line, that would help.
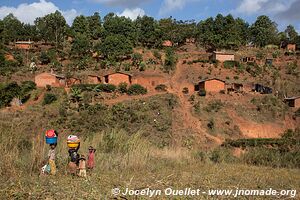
(184, 110)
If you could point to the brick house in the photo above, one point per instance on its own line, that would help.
(293, 102)
(118, 77)
(222, 56)
(93, 79)
(291, 47)
(43, 79)
(211, 85)
(167, 43)
(235, 87)
(149, 81)
(72, 81)
(24, 45)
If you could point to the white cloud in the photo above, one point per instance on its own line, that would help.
(172, 5)
(249, 7)
(27, 13)
(132, 13)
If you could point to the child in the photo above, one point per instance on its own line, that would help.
(51, 156)
(82, 169)
(74, 159)
(91, 158)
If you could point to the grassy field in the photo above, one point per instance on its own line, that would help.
(134, 150)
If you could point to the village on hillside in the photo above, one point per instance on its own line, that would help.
(155, 102)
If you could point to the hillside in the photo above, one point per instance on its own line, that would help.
(165, 103)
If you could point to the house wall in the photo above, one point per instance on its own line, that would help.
(149, 82)
(23, 46)
(291, 47)
(73, 81)
(223, 57)
(44, 79)
(212, 86)
(297, 103)
(93, 80)
(116, 79)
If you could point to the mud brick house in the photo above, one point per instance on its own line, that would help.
(293, 102)
(149, 81)
(291, 47)
(24, 45)
(167, 43)
(43, 79)
(211, 85)
(222, 56)
(248, 59)
(72, 81)
(262, 89)
(235, 87)
(117, 78)
(93, 79)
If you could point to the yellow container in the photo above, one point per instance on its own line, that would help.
(72, 144)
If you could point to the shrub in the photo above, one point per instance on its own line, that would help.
(136, 89)
(106, 87)
(161, 88)
(214, 106)
(211, 124)
(236, 77)
(122, 87)
(170, 60)
(156, 54)
(202, 92)
(44, 58)
(49, 98)
(8, 92)
(137, 58)
(185, 90)
(142, 67)
(229, 64)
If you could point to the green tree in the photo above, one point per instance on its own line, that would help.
(114, 47)
(12, 28)
(81, 45)
(115, 25)
(52, 28)
(264, 31)
(80, 25)
(170, 60)
(148, 33)
(291, 33)
(95, 26)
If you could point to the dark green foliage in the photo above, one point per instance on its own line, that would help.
(264, 31)
(222, 32)
(214, 106)
(156, 54)
(270, 105)
(253, 69)
(161, 88)
(44, 58)
(170, 60)
(8, 92)
(95, 87)
(115, 47)
(122, 87)
(49, 98)
(136, 89)
(137, 59)
(81, 45)
(202, 92)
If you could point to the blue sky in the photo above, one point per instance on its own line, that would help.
(284, 12)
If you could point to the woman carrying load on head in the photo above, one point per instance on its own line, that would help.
(74, 159)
